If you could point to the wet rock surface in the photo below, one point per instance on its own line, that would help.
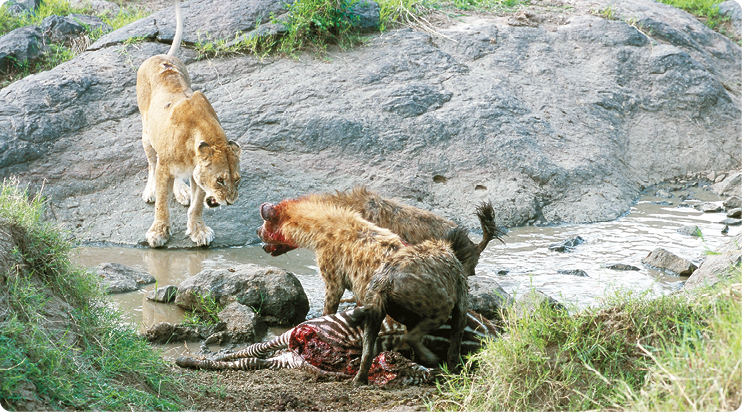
(669, 262)
(517, 111)
(118, 278)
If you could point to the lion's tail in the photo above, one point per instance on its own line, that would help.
(178, 30)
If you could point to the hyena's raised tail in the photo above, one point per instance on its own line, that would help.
(490, 230)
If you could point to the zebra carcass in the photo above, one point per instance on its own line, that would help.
(330, 346)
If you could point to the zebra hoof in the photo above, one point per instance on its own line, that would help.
(186, 362)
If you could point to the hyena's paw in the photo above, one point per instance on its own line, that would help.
(158, 234)
(149, 193)
(201, 234)
(182, 192)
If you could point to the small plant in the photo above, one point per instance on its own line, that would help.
(206, 312)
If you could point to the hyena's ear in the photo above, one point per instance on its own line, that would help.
(235, 148)
(268, 212)
(204, 152)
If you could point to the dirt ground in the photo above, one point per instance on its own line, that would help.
(287, 390)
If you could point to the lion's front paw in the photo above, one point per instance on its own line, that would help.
(158, 234)
(201, 234)
(182, 192)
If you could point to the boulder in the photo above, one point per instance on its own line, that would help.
(487, 297)
(276, 295)
(666, 261)
(567, 245)
(164, 294)
(735, 213)
(717, 267)
(243, 325)
(690, 230)
(560, 116)
(528, 303)
(20, 46)
(733, 10)
(573, 272)
(621, 266)
(118, 278)
(732, 202)
(730, 186)
(165, 332)
(709, 207)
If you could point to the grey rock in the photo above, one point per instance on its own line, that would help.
(118, 278)
(668, 262)
(573, 272)
(165, 332)
(243, 324)
(223, 19)
(690, 230)
(276, 295)
(621, 266)
(511, 109)
(567, 245)
(735, 213)
(20, 46)
(164, 294)
(732, 202)
(364, 15)
(65, 29)
(487, 297)
(733, 10)
(99, 7)
(708, 207)
(730, 186)
(718, 266)
(664, 193)
(18, 7)
(731, 222)
(532, 301)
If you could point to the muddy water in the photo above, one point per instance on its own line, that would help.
(524, 260)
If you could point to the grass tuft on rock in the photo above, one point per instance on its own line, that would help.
(61, 345)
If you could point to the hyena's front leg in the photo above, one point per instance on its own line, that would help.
(371, 329)
(149, 191)
(159, 232)
(198, 231)
(333, 292)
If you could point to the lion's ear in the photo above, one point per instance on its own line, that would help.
(204, 151)
(268, 212)
(235, 148)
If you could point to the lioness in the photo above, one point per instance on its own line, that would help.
(182, 137)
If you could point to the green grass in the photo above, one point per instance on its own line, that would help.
(706, 10)
(206, 312)
(633, 353)
(59, 53)
(88, 360)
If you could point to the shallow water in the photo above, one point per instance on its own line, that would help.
(524, 256)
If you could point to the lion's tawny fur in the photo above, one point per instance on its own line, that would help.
(182, 137)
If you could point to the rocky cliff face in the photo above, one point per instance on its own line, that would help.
(553, 116)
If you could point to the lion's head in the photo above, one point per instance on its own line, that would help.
(217, 172)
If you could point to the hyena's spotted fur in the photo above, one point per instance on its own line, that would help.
(418, 285)
(412, 224)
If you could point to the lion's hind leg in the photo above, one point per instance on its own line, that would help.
(182, 192)
(149, 191)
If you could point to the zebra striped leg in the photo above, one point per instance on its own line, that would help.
(285, 360)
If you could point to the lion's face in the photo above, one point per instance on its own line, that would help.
(217, 172)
